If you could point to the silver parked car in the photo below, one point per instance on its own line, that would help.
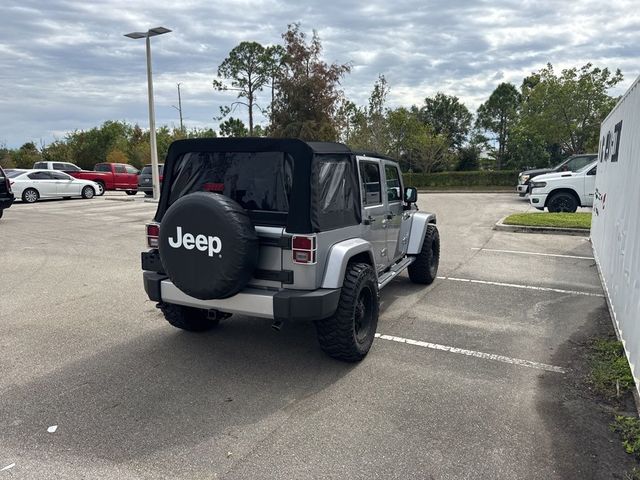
(32, 185)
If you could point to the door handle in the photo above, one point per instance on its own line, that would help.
(369, 220)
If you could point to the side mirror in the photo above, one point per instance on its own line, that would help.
(410, 194)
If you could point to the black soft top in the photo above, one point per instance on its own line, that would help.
(306, 188)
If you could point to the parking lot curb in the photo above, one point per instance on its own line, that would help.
(579, 232)
(121, 199)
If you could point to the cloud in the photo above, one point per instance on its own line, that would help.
(66, 65)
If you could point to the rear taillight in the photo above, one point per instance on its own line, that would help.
(153, 234)
(304, 249)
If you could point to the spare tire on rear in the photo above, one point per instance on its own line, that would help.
(208, 245)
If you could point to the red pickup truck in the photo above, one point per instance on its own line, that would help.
(112, 176)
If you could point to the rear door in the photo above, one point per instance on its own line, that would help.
(374, 209)
(394, 210)
(132, 176)
(44, 183)
(120, 175)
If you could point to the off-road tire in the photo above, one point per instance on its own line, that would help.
(425, 267)
(562, 202)
(187, 318)
(344, 336)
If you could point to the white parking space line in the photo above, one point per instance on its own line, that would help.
(473, 353)
(531, 253)
(527, 287)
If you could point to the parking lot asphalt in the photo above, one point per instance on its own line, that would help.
(471, 377)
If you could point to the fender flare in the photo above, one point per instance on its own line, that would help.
(338, 259)
(419, 223)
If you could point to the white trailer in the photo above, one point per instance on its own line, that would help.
(615, 230)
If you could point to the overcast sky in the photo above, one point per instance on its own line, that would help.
(65, 64)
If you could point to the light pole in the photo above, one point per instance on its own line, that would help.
(155, 176)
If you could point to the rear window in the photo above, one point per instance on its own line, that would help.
(102, 167)
(40, 165)
(14, 173)
(146, 170)
(258, 181)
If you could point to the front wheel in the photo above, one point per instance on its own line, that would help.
(349, 333)
(425, 267)
(30, 195)
(562, 202)
(101, 189)
(187, 318)
(88, 192)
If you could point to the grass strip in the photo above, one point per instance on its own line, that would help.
(545, 219)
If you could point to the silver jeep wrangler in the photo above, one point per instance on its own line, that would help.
(285, 230)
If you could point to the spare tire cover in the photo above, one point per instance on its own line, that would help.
(208, 246)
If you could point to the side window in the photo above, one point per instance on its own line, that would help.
(578, 163)
(120, 169)
(370, 173)
(592, 171)
(131, 169)
(583, 162)
(40, 165)
(59, 176)
(40, 176)
(394, 187)
(71, 167)
(58, 166)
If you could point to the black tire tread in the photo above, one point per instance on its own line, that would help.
(187, 318)
(554, 196)
(419, 271)
(336, 333)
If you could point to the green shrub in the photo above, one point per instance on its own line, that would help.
(610, 372)
(629, 430)
(480, 178)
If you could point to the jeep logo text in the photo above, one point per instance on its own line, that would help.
(203, 243)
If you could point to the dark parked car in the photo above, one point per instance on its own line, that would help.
(6, 195)
(144, 179)
(571, 164)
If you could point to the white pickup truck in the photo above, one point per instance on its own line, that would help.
(564, 191)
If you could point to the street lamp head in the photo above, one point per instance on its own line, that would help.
(152, 32)
(136, 35)
(158, 31)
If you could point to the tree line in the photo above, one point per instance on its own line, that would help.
(549, 116)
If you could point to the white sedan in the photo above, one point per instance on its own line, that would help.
(32, 185)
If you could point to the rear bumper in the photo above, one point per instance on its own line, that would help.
(283, 305)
